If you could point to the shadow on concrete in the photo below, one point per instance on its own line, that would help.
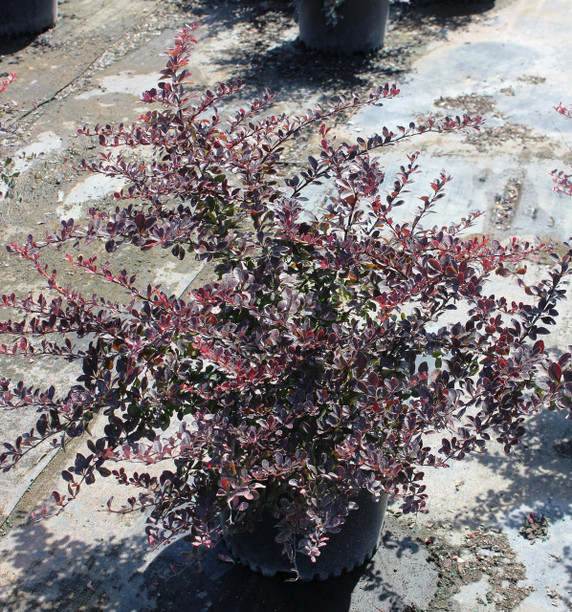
(451, 8)
(14, 44)
(58, 572)
(567, 555)
(62, 573)
(221, 15)
(247, 591)
(535, 479)
(264, 56)
(54, 570)
(535, 475)
(290, 66)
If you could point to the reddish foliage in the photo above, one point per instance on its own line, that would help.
(563, 181)
(4, 84)
(320, 358)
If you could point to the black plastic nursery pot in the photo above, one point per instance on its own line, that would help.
(351, 547)
(27, 16)
(360, 27)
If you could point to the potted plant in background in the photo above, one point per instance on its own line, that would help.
(343, 26)
(336, 354)
(27, 16)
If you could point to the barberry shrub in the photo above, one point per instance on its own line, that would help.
(3, 85)
(332, 348)
(563, 181)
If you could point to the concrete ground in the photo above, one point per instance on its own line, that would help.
(505, 60)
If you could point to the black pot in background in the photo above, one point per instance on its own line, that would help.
(27, 16)
(361, 26)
